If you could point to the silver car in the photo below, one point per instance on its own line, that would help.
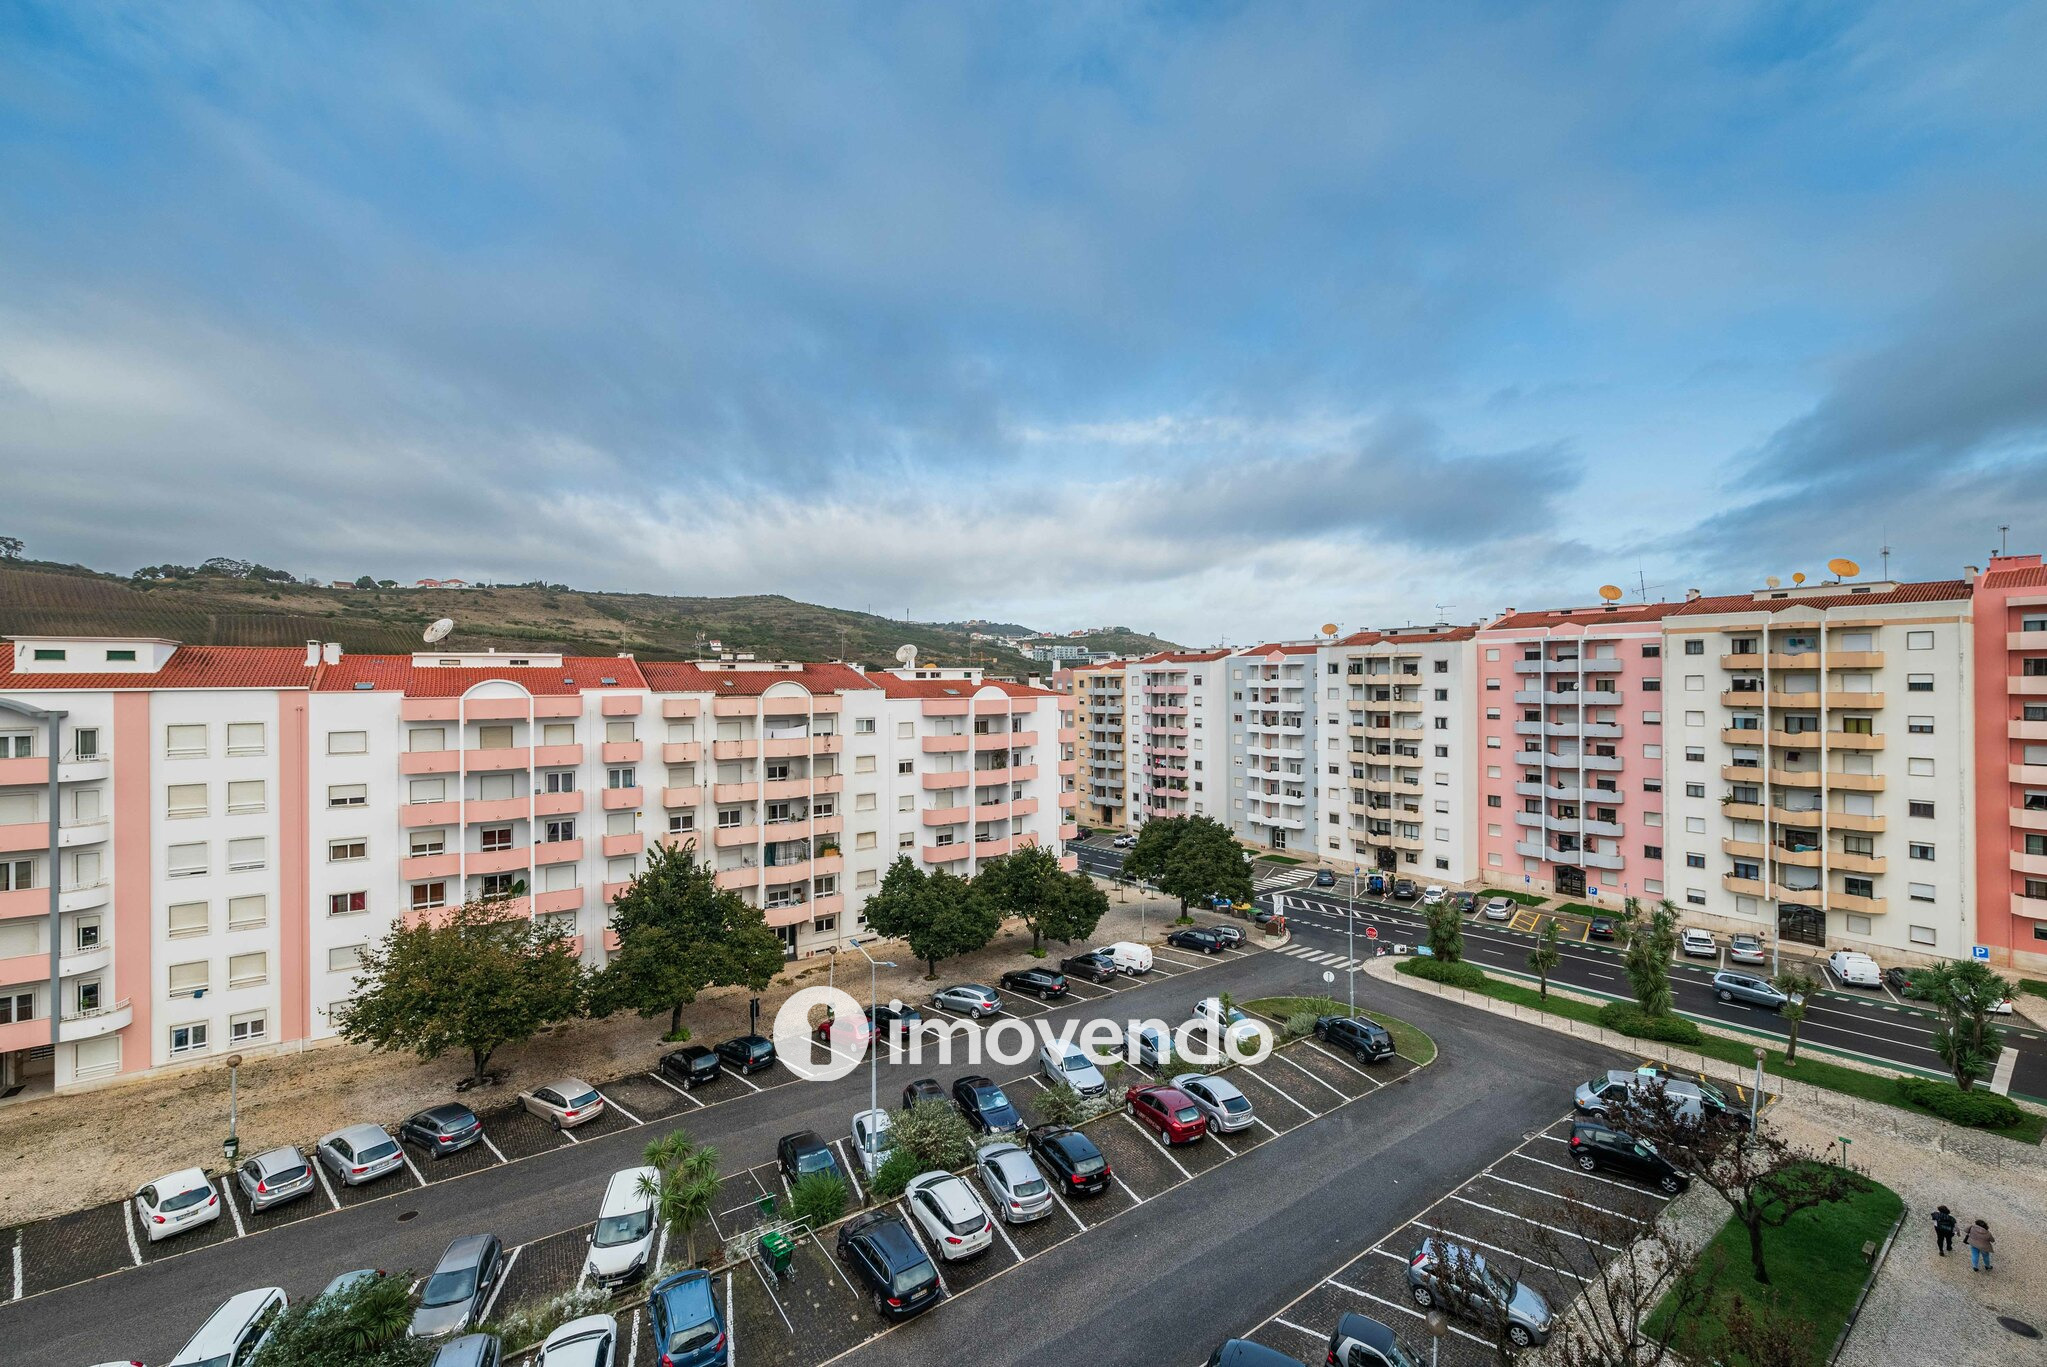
(1069, 1064)
(968, 999)
(1457, 1278)
(1498, 909)
(271, 1179)
(360, 1153)
(1227, 1108)
(1746, 949)
(454, 1296)
(1017, 1190)
(1749, 991)
(564, 1103)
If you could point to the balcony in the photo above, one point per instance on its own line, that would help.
(1532, 820)
(1858, 906)
(417, 761)
(496, 809)
(562, 899)
(1743, 662)
(739, 879)
(2030, 775)
(725, 837)
(633, 842)
(785, 747)
(1528, 728)
(682, 752)
(497, 761)
(1844, 862)
(1742, 849)
(623, 799)
(1741, 887)
(105, 1020)
(614, 891)
(26, 835)
(89, 770)
(803, 870)
(1611, 829)
(735, 792)
(1745, 735)
(1742, 773)
(1593, 860)
(2028, 730)
(945, 816)
(1849, 821)
(414, 867)
(678, 707)
(557, 804)
(24, 969)
(561, 851)
(2033, 864)
(35, 769)
(83, 897)
(1543, 852)
(622, 751)
(944, 745)
(735, 749)
(1799, 857)
(682, 797)
(957, 778)
(491, 861)
(2022, 819)
(2031, 908)
(1005, 740)
(947, 854)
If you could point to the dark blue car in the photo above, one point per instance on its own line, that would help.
(688, 1331)
(985, 1105)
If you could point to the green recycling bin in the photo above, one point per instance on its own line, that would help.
(777, 1252)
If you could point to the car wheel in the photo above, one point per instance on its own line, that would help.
(1321, 1033)
(1423, 1297)
(1586, 1162)
(880, 1305)
(1519, 1337)
(1671, 1186)
(1724, 995)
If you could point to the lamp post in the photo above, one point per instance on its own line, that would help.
(873, 1042)
(1438, 1325)
(233, 1144)
(1350, 939)
(1755, 1096)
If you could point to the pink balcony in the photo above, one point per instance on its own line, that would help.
(732, 707)
(28, 835)
(782, 789)
(739, 879)
(946, 854)
(620, 705)
(615, 845)
(682, 752)
(734, 792)
(786, 705)
(429, 814)
(554, 852)
(415, 867)
(790, 914)
(944, 745)
(945, 707)
(411, 762)
(1069, 735)
(727, 836)
(494, 761)
(564, 899)
(575, 945)
(2032, 908)
(430, 709)
(496, 709)
(27, 968)
(1005, 740)
(24, 1034)
(1021, 773)
(832, 905)
(787, 747)
(735, 749)
(610, 941)
(2021, 819)
(557, 756)
(507, 908)
(945, 816)
(1069, 801)
(614, 891)
(623, 799)
(682, 797)
(1023, 806)
(622, 751)
(570, 706)
(24, 902)
(827, 825)
(14, 772)
(678, 707)
(992, 849)
(801, 870)
(498, 861)
(557, 804)
(956, 779)
(1070, 862)
(497, 809)
(1068, 768)
(1069, 832)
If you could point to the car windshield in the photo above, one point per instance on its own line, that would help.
(990, 1098)
(1030, 1186)
(1186, 1114)
(185, 1200)
(917, 1274)
(446, 1288)
(287, 1175)
(623, 1229)
(696, 1336)
(376, 1153)
(817, 1160)
(1088, 1167)
(1077, 1063)
(1235, 1105)
(581, 1099)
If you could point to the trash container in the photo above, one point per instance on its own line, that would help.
(777, 1252)
(766, 1205)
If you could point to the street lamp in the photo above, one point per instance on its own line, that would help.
(1755, 1099)
(1438, 1325)
(1350, 939)
(873, 1040)
(232, 1145)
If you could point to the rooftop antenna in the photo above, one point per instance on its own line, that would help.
(1642, 584)
(1442, 611)
(438, 631)
(2002, 532)
(1886, 553)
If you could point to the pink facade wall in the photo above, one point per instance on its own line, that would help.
(2005, 919)
(134, 876)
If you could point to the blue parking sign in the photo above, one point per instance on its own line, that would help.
(1980, 953)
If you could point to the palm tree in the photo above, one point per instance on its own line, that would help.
(1547, 954)
(1799, 985)
(685, 1186)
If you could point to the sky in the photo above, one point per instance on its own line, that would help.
(1219, 320)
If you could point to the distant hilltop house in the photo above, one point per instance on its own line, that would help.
(442, 584)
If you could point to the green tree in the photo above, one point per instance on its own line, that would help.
(365, 582)
(684, 1187)
(361, 1326)
(1965, 993)
(935, 1134)
(1030, 885)
(1646, 960)
(1547, 954)
(1445, 930)
(1146, 861)
(477, 979)
(679, 933)
(939, 914)
(10, 548)
(1191, 858)
(1799, 985)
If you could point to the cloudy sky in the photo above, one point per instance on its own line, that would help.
(1222, 320)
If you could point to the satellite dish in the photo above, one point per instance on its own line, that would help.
(1773, 581)
(1844, 567)
(1329, 628)
(1798, 578)
(438, 630)
(1610, 592)
(906, 656)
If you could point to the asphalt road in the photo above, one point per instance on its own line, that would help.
(1868, 1023)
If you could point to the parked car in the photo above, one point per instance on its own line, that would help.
(1149, 1045)
(871, 1139)
(1195, 938)
(1168, 1111)
(236, 1331)
(441, 1130)
(343, 1281)
(970, 999)
(1245, 1353)
(564, 1103)
(471, 1350)
(1016, 1189)
(1125, 842)
(986, 1106)
(1698, 944)
(1366, 1040)
(1361, 1341)
(1043, 983)
(1227, 1109)
(692, 1066)
(622, 1244)
(1854, 969)
(1457, 1279)
(1746, 949)
(747, 1054)
(951, 1218)
(1433, 895)
(1095, 965)
(1404, 890)
(923, 1089)
(1600, 928)
(887, 1258)
(894, 1023)
(1499, 909)
(1748, 990)
(803, 1154)
(1904, 982)
(455, 1293)
(1069, 1063)
(1324, 878)
(1229, 933)
(1467, 902)
(682, 1314)
(1604, 1097)
(591, 1341)
(1131, 958)
(272, 1178)
(1595, 1146)
(359, 1154)
(1071, 1157)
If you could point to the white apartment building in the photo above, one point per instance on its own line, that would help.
(1272, 748)
(1175, 713)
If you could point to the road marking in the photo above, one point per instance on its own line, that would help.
(17, 1266)
(1526, 1221)
(128, 1223)
(846, 1154)
(1576, 1172)
(632, 1355)
(1404, 1309)
(569, 1135)
(661, 1253)
(1515, 1254)
(1126, 1187)
(408, 1165)
(497, 1289)
(2000, 1081)
(1334, 1059)
(1067, 1206)
(1160, 1147)
(681, 1092)
(1304, 1110)
(1305, 1073)
(995, 1222)
(233, 1209)
(733, 1072)
(1557, 1195)
(937, 1263)
(1262, 1125)
(320, 1171)
(1289, 1324)
(755, 1264)
(620, 1109)
(731, 1339)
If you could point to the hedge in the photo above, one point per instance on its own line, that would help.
(1976, 1110)
(1630, 1019)
(1470, 977)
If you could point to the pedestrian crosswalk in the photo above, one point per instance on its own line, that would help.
(1321, 957)
(1282, 880)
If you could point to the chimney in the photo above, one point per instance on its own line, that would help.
(312, 654)
(1970, 572)
(331, 653)
(1692, 595)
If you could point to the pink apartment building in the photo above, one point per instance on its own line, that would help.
(2010, 612)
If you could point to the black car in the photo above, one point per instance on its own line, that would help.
(1404, 890)
(1043, 983)
(1207, 941)
(1075, 1165)
(692, 1065)
(1230, 935)
(1595, 1146)
(803, 1154)
(1367, 1041)
(448, 1128)
(1908, 983)
(748, 1053)
(1467, 902)
(923, 1089)
(986, 1106)
(895, 1023)
(882, 1252)
(1600, 929)
(1095, 965)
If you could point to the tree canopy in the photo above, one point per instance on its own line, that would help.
(1030, 885)
(940, 914)
(1650, 942)
(1966, 994)
(1190, 858)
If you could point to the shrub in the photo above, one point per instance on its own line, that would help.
(528, 1324)
(894, 1174)
(365, 1324)
(935, 1135)
(1468, 976)
(1300, 1025)
(1630, 1019)
(1060, 1104)
(817, 1199)
(1977, 1110)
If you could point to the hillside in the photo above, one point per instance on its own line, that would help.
(214, 610)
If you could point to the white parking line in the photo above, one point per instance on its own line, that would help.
(1405, 1310)
(1139, 1200)
(918, 1234)
(1299, 1329)
(846, 1154)
(1160, 1147)
(1038, 1007)
(320, 1171)
(1575, 1172)
(503, 1277)
(408, 1165)
(17, 1266)
(128, 1223)
(1185, 964)
(661, 1253)
(1458, 1236)
(1305, 1073)
(1545, 1191)
(1304, 1110)
(733, 1072)
(1066, 1206)
(731, 1339)
(569, 1135)
(228, 1190)
(632, 1355)
(681, 1092)
(995, 1222)
(620, 1109)
(1260, 1120)
(1537, 1223)
(1334, 1059)
(755, 1264)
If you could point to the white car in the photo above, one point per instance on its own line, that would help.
(871, 1139)
(175, 1203)
(1209, 1012)
(1017, 1190)
(1069, 1063)
(622, 1244)
(1217, 1098)
(236, 1331)
(591, 1341)
(1746, 949)
(1698, 944)
(945, 1208)
(1854, 969)
(1433, 895)
(1125, 842)
(1499, 909)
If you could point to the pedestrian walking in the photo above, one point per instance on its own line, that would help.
(1943, 1230)
(1980, 1241)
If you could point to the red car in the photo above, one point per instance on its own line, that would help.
(1168, 1110)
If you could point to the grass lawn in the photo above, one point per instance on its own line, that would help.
(1581, 909)
(1810, 1069)
(1526, 899)
(1409, 1041)
(1277, 859)
(2034, 986)
(1816, 1272)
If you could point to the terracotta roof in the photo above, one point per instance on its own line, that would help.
(398, 674)
(1601, 615)
(1183, 657)
(2031, 576)
(188, 667)
(896, 687)
(1369, 638)
(1282, 649)
(1932, 591)
(665, 676)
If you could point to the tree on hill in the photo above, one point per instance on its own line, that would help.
(939, 914)
(1190, 858)
(1030, 885)
(10, 547)
(679, 933)
(363, 581)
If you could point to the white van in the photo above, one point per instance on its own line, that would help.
(622, 1245)
(234, 1332)
(1128, 957)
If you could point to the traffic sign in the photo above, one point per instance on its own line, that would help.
(1980, 953)
(1371, 932)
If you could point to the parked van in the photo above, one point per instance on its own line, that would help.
(236, 1330)
(1129, 958)
(622, 1245)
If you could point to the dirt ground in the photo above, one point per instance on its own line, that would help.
(139, 1131)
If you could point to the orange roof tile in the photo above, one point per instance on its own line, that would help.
(2016, 577)
(1930, 591)
(897, 687)
(1408, 636)
(1283, 649)
(1183, 657)
(1600, 614)
(188, 667)
(676, 676)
